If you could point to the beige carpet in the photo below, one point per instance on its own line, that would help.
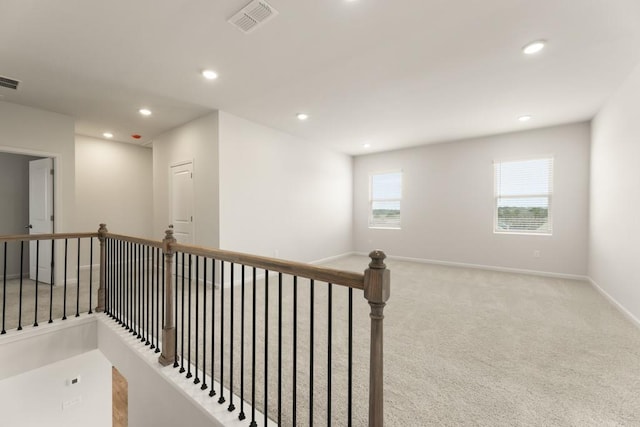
(473, 347)
(11, 315)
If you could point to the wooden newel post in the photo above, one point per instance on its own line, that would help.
(102, 237)
(376, 291)
(168, 355)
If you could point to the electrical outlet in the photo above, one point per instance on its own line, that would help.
(536, 254)
(71, 402)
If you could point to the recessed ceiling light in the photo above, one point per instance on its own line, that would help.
(302, 116)
(209, 74)
(366, 145)
(534, 47)
(144, 111)
(107, 135)
(524, 118)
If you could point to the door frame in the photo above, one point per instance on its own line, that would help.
(57, 195)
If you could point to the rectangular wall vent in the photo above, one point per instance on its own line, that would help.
(9, 83)
(253, 16)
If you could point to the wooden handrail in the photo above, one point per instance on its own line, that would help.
(323, 274)
(54, 236)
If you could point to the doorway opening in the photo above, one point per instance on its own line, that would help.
(26, 207)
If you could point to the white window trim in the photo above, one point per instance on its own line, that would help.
(370, 209)
(548, 195)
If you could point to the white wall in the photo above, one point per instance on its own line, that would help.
(278, 192)
(114, 186)
(615, 197)
(32, 348)
(36, 398)
(155, 398)
(36, 132)
(448, 204)
(195, 141)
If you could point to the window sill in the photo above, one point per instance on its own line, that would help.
(385, 228)
(522, 233)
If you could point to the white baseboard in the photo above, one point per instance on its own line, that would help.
(87, 266)
(626, 313)
(332, 258)
(25, 275)
(486, 267)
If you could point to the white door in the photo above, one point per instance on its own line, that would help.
(40, 217)
(181, 202)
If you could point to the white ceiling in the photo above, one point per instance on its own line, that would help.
(392, 73)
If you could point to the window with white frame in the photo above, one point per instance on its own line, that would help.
(385, 193)
(523, 191)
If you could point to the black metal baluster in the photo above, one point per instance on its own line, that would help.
(21, 280)
(182, 324)
(139, 297)
(115, 277)
(221, 399)
(197, 379)
(189, 375)
(212, 392)
(329, 338)
(35, 317)
(142, 280)
(350, 367)
(91, 275)
(64, 295)
(127, 291)
(279, 348)
(51, 285)
(311, 324)
(4, 290)
(266, 345)
(154, 278)
(177, 255)
(142, 273)
(118, 296)
(112, 276)
(204, 324)
(147, 271)
(295, 347)
(126, 288)
(231, 405)
(124, 275)
(123, 278)
(253, 355)
(241, 415)
(132, 289)
(159, 302)
(78, 284)
(108, 278)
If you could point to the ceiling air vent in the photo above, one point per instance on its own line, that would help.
(253, 15)
(9, 83)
